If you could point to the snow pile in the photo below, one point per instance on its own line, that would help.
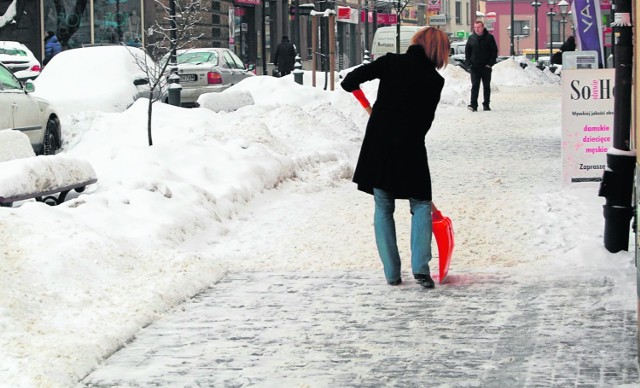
(510, 73)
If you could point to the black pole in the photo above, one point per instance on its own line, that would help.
(617, 181)
(366, 24)
(536, 5)
(263, 39)
(296, 25)
(172, 14)
(551, 15)
(513, 28)
(398, 27)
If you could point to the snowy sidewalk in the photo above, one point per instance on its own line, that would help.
(532, 299)
(351, 330)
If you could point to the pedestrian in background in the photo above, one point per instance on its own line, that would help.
(52, 47)
(285, 56)
(481, 53)
(568, 45)
(393, 159)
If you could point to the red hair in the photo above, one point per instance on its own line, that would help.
(435, 44)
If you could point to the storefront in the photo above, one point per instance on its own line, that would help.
(92, 22)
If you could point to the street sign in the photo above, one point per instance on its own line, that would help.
(438, 20)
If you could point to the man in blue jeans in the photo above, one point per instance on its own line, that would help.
(481, 53)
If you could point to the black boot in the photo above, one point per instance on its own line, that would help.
(425, 280)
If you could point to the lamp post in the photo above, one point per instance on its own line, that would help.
(564, 11)
(535, 6)
(551, 13)
(513, 22)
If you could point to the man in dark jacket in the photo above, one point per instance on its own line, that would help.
(481, 53)
(52, 47)
(285, 56)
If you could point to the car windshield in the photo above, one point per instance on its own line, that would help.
(13, 51)
(197, 57)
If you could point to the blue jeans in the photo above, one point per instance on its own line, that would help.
(385, 231)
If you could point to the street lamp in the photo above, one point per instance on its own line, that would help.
(513, 21)
(551, 13)
(564, 11)
(535, 4)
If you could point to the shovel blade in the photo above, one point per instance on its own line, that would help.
(443, 232)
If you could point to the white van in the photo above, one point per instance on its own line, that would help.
(384, 40)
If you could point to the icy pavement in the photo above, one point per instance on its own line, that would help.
(352, 330)
(532, 299)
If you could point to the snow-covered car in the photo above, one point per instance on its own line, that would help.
(22, 111)
(19, 59)
(100, 78)
(208, 70)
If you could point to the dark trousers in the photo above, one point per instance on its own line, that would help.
(477, 75)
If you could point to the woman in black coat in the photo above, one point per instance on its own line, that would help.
(393, 159)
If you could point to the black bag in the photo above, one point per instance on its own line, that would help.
(275, 72)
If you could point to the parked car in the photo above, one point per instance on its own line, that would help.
(19, 59)
(459, 60)
(208, 70)
(22, 111)
(99, 78)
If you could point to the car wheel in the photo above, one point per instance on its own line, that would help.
(50, 143)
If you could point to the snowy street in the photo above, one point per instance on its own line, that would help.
(235, 251)
(307, 305)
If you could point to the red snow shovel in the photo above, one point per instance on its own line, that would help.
(443, 232)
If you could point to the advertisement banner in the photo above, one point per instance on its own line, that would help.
(587, 123)
(588, 23)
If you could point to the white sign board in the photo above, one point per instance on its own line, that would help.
(572, 60)
(587, 123)
(438, 20)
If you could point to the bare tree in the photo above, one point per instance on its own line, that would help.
(172, 31)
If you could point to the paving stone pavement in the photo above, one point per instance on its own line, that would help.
(349, 329)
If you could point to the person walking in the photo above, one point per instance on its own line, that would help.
(481, 53)
(285, 56)
(52, 47)
(393, 159)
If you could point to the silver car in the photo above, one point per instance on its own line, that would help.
(22, 111)
(208, 70)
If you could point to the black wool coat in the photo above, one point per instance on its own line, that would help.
(393, 156)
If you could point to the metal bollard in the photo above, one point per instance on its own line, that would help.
(175, 89)
(297, 71)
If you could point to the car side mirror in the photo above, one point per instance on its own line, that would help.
(250, 67)
(140, 81)
(29, 86)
